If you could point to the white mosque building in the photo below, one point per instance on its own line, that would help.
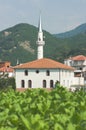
(44, 72)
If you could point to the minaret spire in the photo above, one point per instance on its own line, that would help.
(40, 26)
(40, 41)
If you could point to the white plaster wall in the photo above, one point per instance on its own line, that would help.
(11, 74)
(78, 81)
(84, 68)
(66, 78)
(37, 78)
(84, 63)
(40, 52)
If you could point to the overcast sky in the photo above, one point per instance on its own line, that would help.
(57, 15)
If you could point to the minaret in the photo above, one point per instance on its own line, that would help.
(40, 41)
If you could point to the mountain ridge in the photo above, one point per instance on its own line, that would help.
(15, 40)
(19, 43)
(79, 29)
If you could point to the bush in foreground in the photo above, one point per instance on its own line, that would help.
(38, 109)
(6, 83)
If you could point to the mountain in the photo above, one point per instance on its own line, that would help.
(78, 30)
(19, 43)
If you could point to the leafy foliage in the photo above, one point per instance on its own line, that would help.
(6, 83)
(39, 109)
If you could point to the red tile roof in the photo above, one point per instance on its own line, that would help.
(4, 64)
(78, 58)
(6, 69)
(43, 63)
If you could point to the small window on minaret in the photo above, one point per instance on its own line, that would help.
(39, 39)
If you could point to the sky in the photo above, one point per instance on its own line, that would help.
(57, 15)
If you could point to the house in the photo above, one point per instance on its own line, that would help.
(79, 63)
(44, 72)
(6, 69)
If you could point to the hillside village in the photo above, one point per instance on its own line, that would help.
(45, 72)
(43, 65)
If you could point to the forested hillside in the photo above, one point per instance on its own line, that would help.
(19, 42)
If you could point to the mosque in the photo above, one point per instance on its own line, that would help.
(44, 72)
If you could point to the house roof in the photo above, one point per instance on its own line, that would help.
(6, 69)
(78, 58)
(4, 64)
(43, 63)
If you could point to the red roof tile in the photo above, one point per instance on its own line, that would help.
(43, 63)
(6, 69)
(79, 57)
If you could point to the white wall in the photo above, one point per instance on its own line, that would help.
(64, 76)
(78, 81)
(11, 74)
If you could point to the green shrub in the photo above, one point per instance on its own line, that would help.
(39, 109)
(7, 83)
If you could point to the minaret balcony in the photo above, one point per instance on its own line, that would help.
(40, 43)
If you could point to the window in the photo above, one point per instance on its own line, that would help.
(22, 83)
(37, 71)
(47, 72)
(44, 83)
(26, 72)
(51, 84)
(29, 84)
(39, 39)
(80, 68)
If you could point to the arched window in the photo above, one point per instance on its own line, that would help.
(22, 83)
(26, 72)
(44, 83)
(29, 84)
(47, 72)
(51, 84)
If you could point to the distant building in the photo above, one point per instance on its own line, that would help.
(79, 63)
(6, 69)
(44, 72)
